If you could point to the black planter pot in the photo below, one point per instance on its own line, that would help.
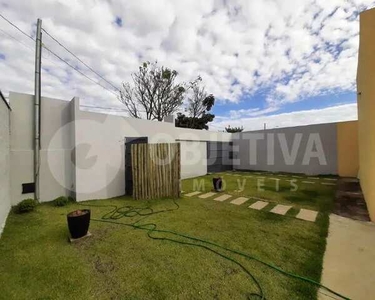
(78, 223)
(218, 183)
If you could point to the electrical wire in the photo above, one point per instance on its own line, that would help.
(77, 70)
(117, 213)
(15, 26)
(86, 65)
(17, 40)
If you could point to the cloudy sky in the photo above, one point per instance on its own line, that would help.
(280, 62)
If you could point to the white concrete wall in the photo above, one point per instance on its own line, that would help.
(99, 150)
(4, 163)
(55, 150)
(82, 153)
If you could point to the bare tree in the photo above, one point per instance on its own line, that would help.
(153, 92)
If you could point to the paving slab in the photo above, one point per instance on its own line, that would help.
(223, 197)
(328, 183)
(239, 200)
(208, 195)
(280, 209)
(259, 205)
(308, 182)
(348, 265)
(193, 194)
(307, 215)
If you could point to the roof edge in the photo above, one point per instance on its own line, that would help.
(5, 101)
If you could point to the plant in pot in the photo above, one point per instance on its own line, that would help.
(78, 223)
(218, 183)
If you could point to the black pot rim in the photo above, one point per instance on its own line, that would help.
(85, 212)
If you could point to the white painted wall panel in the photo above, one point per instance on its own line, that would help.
(4, 163)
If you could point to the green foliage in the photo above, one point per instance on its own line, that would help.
(233, 129)
(199, 105)
(62, 201)
(25, 206)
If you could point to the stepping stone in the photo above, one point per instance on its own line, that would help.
(204, 196)
(307, 215)
(282, 175)
(297, 176)
(236, 175)
(239, 200)
(223, 197)
(328, 183)
(274, 179)
(316, 178)
(331, 179)
(308, 182)
(193, 194)
(258, 205)
(280, 209)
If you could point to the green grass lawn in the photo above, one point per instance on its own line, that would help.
(120, 262)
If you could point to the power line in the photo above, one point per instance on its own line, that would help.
(63, 60)
(86, 65)
(76, 69)
(102, 107)
(17, 40)
(19, 29)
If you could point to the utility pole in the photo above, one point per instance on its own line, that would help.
(38, 64)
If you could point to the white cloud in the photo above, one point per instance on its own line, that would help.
(339, 113)
(295, 49)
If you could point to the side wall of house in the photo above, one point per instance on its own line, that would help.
(347, 149)
(4, 162)
(272, 150)
(55, 169)
(366, 108)
(99, 150)
(82, 153)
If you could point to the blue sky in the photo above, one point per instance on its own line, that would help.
(281, 62)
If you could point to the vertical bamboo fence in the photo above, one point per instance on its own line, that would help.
(156, 170)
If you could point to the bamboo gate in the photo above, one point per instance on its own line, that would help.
(156, 170)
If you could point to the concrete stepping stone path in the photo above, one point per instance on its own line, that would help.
(280, 209)
(239, 200)
(307, 215)
(259, 205)
(208, 195)
(223, 197)
(193, 194)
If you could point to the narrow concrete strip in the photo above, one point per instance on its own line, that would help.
(315, 178)
(307, 215)
(308, 182)
(261, 177)
(282, 175)
(294, 176)
(249, 176)
(239, 200)
(193, 194)
(328, 183)
(223, 197)
(280, 209)
(274, 179)
(204, 196)
(258, 205)
(331, 179)
(348, 265)
(237, 175)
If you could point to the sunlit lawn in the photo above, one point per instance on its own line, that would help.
(120, 262)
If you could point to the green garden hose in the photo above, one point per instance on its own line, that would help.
(128, 211)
